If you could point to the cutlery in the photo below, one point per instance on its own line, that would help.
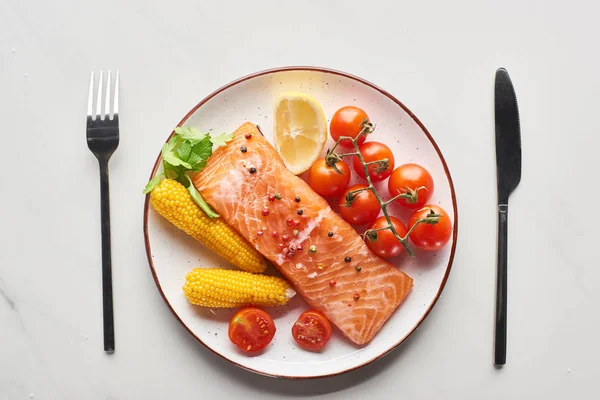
(103, 139)
(508, 163)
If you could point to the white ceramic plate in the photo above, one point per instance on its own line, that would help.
(172, 254)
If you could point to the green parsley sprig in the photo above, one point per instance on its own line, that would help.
(187, 152)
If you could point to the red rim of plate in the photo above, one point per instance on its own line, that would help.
(380, 90)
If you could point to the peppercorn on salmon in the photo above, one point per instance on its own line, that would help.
(225, 288)
(323, 257)
(172, 200)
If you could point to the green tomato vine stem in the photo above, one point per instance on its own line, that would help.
(371, 234)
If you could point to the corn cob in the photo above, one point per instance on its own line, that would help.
(172, 200)
(224, 288)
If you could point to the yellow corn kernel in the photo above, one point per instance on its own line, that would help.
(226, 288)
(172, 200)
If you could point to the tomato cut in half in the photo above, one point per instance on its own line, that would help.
(348, 121)
(312, 330)
(251, 329)
(326, 181)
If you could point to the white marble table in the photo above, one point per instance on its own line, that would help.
(437, 58)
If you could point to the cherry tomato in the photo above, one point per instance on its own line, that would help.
(348, 121)
(251, 329)
(312, 330)
(364, 209)
(326, 181)
(374, 151)
(414, 181)
(386, 245)
(427, 236)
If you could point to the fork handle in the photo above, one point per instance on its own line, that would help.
(501, 286)
(107, 291)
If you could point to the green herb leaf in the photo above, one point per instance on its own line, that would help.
(198, 199)
(194, 159)
(170, 171)
(222, 139)
(188, 150)
(184, 150)
(153, 183)
(168, 153)
(199, 166)
(190, 133)
(171, 158)
(171, 144)
(200, 153)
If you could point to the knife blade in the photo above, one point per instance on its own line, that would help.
(508, 168)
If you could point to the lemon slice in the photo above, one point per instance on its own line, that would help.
(300, 130)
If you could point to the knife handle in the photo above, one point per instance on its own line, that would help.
(500, 336)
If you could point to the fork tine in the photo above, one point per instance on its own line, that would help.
(91, 95)
(116, 100)
(107, 99)
(99, 99)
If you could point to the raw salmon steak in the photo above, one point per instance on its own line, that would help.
(308, 242)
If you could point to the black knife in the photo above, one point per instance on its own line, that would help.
(508, 164)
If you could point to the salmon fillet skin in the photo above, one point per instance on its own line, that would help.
(301, 235)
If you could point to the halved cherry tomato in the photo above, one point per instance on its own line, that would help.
(348, 121)
(251, 329)
(326, 181)
(386, 245)
(374, 151)
(428, 236)
(363, 209)
(312, 330)
(414, 181)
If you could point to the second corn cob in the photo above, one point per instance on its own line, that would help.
(225, 288)
(172, 200)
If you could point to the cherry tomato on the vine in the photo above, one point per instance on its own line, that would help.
(364, 207)
(387, 245)
(427, 236)
(374, 151)
(326, 181)
(415, 182)
(348, 121)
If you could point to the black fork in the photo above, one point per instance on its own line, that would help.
(103, 139)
